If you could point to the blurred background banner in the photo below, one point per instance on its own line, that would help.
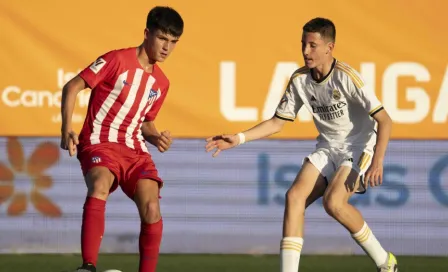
(232, 63)
(227, 74)
(236, 199)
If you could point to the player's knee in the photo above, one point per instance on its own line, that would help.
(99, 190)
(295, 197)
(333, 206)
(150, 212)
(98, 184)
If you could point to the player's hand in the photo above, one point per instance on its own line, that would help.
(221, 142)
(69, 140)
(164, 141)
(374, 175)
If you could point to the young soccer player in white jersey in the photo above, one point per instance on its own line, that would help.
(354, 131)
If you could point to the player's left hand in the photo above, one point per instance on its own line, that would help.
(374, 175)
(164, 141)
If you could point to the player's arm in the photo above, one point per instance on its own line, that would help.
(369, 101)
(286, 110)
(374, 175)
(376, 110)
(150, 133)
(372, 106)
(264, 129)
(69, 93)
(384, 130)
(99, 70)
(69, 140)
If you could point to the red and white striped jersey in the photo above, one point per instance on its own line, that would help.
(123, 97)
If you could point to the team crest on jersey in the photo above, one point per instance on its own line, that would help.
(152, 93)
(96, 159)
(336, 94)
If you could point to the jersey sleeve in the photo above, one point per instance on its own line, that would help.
(152, 113)
(290, 103)
(362, 95)
(103, 68)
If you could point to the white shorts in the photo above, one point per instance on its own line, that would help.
(328, 160)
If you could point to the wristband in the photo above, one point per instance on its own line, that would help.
(242, 138)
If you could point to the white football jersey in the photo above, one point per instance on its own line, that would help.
(341, 106)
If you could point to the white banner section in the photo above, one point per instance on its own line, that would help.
(230, 204)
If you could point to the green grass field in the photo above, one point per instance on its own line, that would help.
(216, 263)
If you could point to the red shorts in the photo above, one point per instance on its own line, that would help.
(127, 165)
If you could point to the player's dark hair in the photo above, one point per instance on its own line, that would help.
(323, 26)
(165, 19)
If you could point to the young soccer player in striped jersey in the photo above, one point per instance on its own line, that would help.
(128, 90)
(354, 131)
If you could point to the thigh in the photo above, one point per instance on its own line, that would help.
(309, 184)
(358, 160)
(146, 191)
(100, 166)
(140, 167)
(343, 185)
(318, 190)
(146, 198)
(100, 182)
(322, 163)
(321, 159)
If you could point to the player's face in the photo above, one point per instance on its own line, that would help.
(159, 45)
(314, 49)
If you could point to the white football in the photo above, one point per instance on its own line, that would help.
(112, 270)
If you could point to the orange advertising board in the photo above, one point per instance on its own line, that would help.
(232, 63)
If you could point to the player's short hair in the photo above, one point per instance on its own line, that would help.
(165, 19)
(323, 26)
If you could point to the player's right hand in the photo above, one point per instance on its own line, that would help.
(221, 142)
(69, 140)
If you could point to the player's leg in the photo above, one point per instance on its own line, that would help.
(308, 186)
(99, 165)
(147, 200)
(99, 180)
(142, 184)
(344, 184)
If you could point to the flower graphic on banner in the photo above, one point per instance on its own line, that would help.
(43, 157)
